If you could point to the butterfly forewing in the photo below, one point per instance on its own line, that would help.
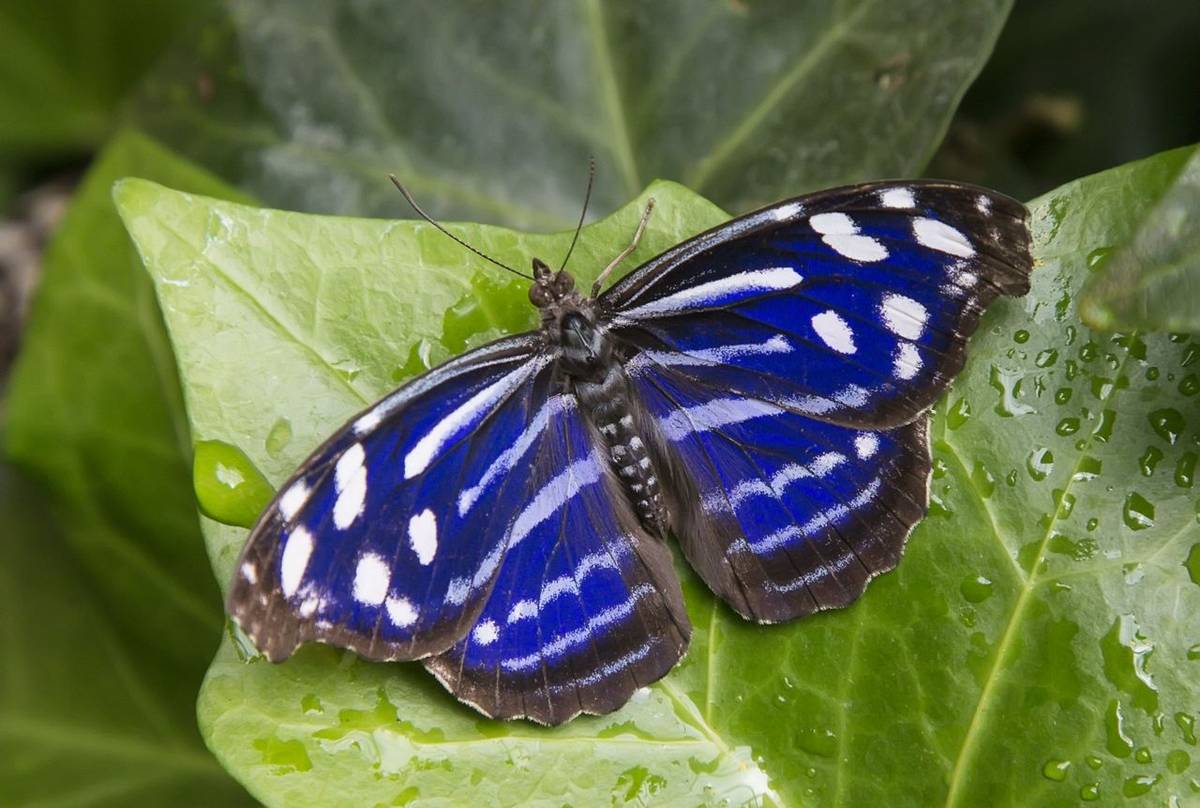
(387, 539)
(852, 306)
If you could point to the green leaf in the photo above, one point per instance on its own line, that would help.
(66, 66)
(94, 412)
(85, 717)
(1152, 281)
(490, 112)
(1034, 646)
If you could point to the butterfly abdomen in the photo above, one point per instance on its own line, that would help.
(607, 404)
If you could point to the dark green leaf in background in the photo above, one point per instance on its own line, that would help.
(65, 68)
(1152, 282)
(88, 714)
(1036, 645)
(94, 413)
(490, 111)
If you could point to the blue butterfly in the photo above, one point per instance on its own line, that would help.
(760, 391)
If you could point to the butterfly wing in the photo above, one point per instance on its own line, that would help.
(388, 538)
(586, 608)
(852, 305)
(784, 362)
(780, 514)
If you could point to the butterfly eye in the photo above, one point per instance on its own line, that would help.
(563, 284)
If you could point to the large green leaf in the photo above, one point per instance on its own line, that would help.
(86, 717)
(1034, 647)
(1152, 281)
(490, 111)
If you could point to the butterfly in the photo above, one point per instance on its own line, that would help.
(760, 391)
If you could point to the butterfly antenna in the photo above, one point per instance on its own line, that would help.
(587, 195)
(453, 237)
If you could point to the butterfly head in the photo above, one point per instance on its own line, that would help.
(551, 289)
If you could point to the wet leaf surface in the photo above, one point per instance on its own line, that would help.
(1036, 646)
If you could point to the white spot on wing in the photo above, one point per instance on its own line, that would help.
(371, 579)
(521, 610)
(834, 331)
(908, 361)
(250, 573)
(350, 480)
(718, 292)
(485, 633)
(983, 204)
(368, 421)
(942, 237)
(903, 316)
(295, 560)
(465, 416)
(841, 234)
(423, 536)
(293, 500)
(897, 198)
(401, 612)
(866, 445)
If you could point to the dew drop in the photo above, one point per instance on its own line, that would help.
(1008, 383)
(1193, 564)
(1178, 760)
(1185, 470)
(1142, 755)
(1040, 463)
(1190, 385)
(1138, 512)
(279, 436)
(1046, 358)
(1062, 395)
(1089, 469)
(959, 413)
(1149, 459)
(1093, 761)
(983, 480)
(1127, 652)
(1067, 426)
(1139, 784)
(939, 468)
(1104, 430)
(1021, 336)
(1056, 770)
(229, 487)
(1118, 743)
(1168, 423)
(1097, 257)
(1090, 792)
(977, 588)
(1187, 726)
(1092, 524)
(1072, 369)
(1193, 653)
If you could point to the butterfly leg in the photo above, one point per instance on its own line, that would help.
(637, 237)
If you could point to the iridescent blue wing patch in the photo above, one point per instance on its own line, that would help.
(388, 539)
(852, 306)
(783, 515)
(587, 606)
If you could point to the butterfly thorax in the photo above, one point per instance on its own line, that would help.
(588, 367)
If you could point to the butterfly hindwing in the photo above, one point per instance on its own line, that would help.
(387, 539)
(586, 608)
(783, 515)
(852, 306)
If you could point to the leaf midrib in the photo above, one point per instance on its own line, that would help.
(968, 749)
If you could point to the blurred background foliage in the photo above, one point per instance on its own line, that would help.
(283, 102)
